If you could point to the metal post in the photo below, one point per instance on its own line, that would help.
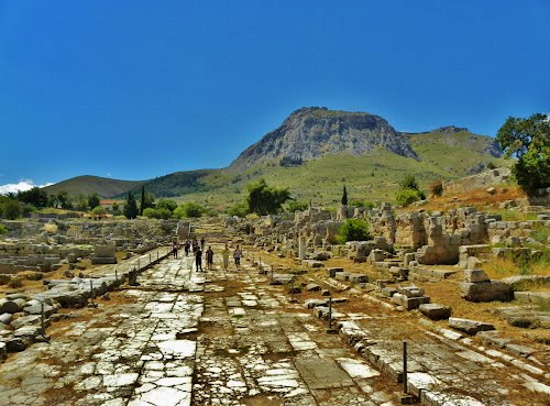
(157, 255)
(330, 313)
(116, 275)
(260, 263)
(405, 389)
(150, 258)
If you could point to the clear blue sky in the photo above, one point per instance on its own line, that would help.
(139, 89)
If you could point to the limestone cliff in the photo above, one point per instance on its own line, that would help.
(310, 133)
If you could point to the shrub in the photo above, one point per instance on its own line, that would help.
(150, 213)
(295, 205)
(436, 187)
(362, 203)
(405, 197)
(99, 211)
(15, 282)
(189, 209)
(11, 209)
(238, 209)
(353, 230)
(3, 229)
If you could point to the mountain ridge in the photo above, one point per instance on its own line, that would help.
(319, 134)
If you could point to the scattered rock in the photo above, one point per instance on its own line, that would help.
(435, 311)
(469, 326)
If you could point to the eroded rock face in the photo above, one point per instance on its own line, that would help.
(310, 133)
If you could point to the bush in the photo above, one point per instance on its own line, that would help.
(99, 211)
(168, 204)
(189, 210)
(436, 188)
(3, 229)
(295, 205)
(353, 230)
(362, 203)
(11, 209)
(238, 209)
(405, 197)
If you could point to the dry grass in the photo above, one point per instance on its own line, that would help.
(479, 199)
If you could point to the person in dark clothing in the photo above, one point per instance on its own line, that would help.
(186, 247)
(209, 258)
(203, 241)
(175, 247)
(198, 259)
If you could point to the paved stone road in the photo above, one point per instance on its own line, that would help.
(188, 338)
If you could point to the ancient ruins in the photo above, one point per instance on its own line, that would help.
(103, 313)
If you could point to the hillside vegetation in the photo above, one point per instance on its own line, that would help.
(314, 153)
(104, 187)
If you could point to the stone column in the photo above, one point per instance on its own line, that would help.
(301, 248)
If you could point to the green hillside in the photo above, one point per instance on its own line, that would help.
(104, 187)
(373, 177)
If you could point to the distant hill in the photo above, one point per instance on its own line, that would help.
(104, 187)
(314, 153)
(310, 133)
(455, 150)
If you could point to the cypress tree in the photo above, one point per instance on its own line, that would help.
(142, 205)
(130, 208)
(345, 196)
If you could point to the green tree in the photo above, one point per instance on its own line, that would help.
(263, 199)
(294, 205)
(528, 139)
(35, 196)
(93, 201)
(405, 197)
(345, 196)
(168, 204)
(130, 208)
(189, 210)
(239, 209)
(409, 182)
(353, 230)
(362, 203)
(99, 211)
(10, 209)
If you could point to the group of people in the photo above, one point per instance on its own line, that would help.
(198, 250)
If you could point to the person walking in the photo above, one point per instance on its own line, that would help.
(225, 258)
(186, 247)
(209, 258)
(237, 256)
(203, 242)
(198, 259)
(175, 247)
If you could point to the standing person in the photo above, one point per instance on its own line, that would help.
(175, 247)
(225, 258)
(203, 241)
(237, 256)
(198, 259)
(187, 246)
(209, 258)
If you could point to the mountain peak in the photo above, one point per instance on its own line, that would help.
(311, 132)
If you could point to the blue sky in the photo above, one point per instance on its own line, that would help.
(139, 89)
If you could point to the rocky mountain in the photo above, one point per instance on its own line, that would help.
(313, 153)
(310, 133)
